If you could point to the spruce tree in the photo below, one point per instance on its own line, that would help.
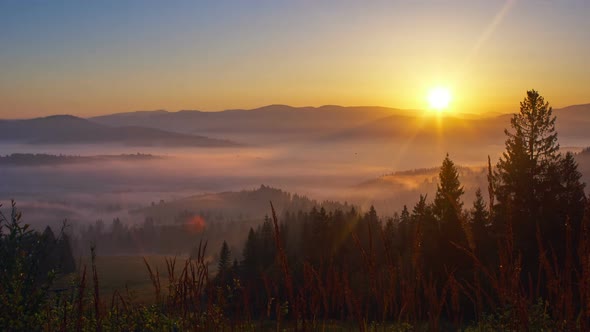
(250, 255)
(479, 213)
(448, 211)
(531, 150)
(479, 218)
(537, 189)
(223, 265)
(447, 202)
(572, 198)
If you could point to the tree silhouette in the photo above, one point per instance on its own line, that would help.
(479, 218)
(535, 185)
(447, 202)
(224, 264)
(531, 149)
(448, 211)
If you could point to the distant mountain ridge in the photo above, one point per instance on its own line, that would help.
(330, 123)
(272, 122)
(68, 129)
(43, 159)
(281, 123)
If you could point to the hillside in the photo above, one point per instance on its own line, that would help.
(43, 159)
(572, 123)
(234, 205)
(67, 129)
(277, 123)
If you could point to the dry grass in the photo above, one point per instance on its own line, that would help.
(396, 289)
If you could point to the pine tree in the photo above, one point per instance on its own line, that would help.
(572, 197)
(250, 261)
(67, 262)
(223, 265)
(389, 234)
(447, 202)
(479, 213)
(389, 228)
(448, 212)
(426, 227)
(421, 211)
(404, 230)
(266, 248)
(405, 215)
(531, 150)
(479, 219)
(534, 183)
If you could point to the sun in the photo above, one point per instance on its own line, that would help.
(439, 98)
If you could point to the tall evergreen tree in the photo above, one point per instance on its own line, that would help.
(531, 149)
(405, 215)
(479, 212)
(421, 211)
(404, 230)
(67, 262)
(448, 211)
(479, 219)
(224, 264)
(534, 183)
(572, 197)
(250, 255)
(447, 202)
(266, 249)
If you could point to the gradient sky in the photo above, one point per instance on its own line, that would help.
(95, 57)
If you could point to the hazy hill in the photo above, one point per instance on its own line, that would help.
(574, 121)
(572, 124)
(583, 159)
(275, 123)
(43, 159)
(269, 123)
(424, 129)
(234, 205)
(67, 129)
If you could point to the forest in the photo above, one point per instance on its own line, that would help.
(517, 259)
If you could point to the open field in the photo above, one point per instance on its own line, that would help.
(126, 274)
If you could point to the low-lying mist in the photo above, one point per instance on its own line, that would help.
(384, 174)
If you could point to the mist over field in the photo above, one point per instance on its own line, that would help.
(106, 188)
(388, 160)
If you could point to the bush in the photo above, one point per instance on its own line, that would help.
(25, 276)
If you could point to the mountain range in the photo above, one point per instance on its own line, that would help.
(273, 123)
(276, 124)
(67, 129)
(280, 123)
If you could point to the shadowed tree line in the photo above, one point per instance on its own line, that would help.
(167, 231)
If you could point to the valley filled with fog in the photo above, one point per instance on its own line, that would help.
(104, 189)
(384, 158)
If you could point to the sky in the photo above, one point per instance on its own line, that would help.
(97, 57)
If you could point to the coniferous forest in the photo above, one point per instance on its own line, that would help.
(515, 260)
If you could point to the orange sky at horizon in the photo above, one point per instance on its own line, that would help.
(115, 57)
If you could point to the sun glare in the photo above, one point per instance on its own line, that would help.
(439, 98)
